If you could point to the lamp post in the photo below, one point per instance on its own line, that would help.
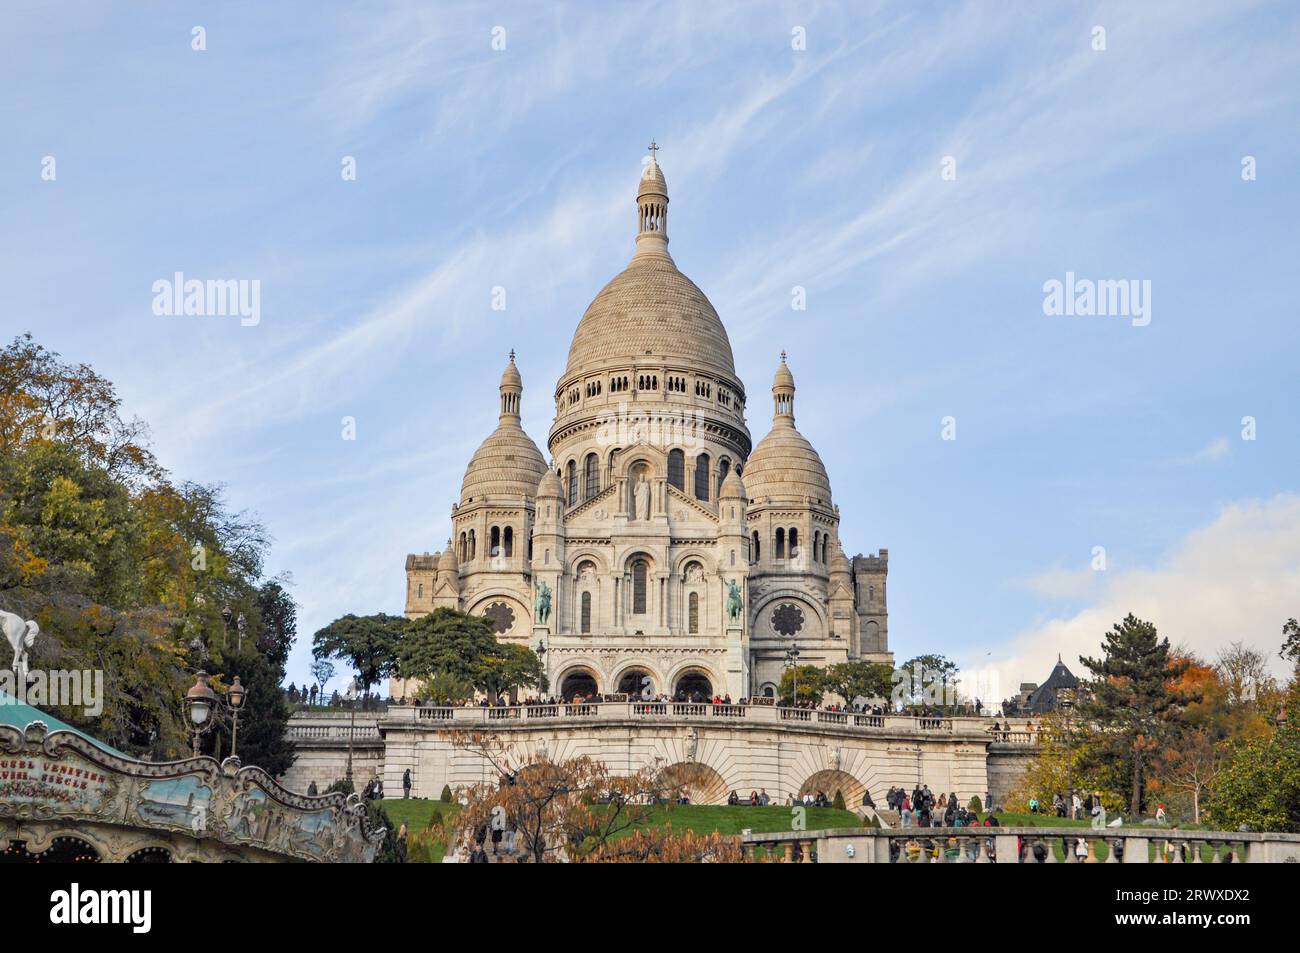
(792, 659)
(235, 697)
(541, 654)
(201, 701)
(1066, 700)
(204, 705)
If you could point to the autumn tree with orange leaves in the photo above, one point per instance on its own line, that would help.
(576, 811)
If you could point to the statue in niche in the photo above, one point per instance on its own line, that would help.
(641, 499)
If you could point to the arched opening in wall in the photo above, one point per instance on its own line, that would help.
(693, 613)
(702, 477)
(693, 686)
(794, 542)
(754, 551)
(724, 467)
(640, 571)
(473, 545)
(494, 546)
(780, 544)
(817, 547)
(677, 469)
(769, 690)
(62, 850)
(571, 483)
(698, 783)
(585, 620)
(591, 477)
(637, 683)
(577, 685)
(464, 547)
(509, 542)
(150, 855)
(829, 781)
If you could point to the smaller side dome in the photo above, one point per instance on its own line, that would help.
(549, 488)
(839, 562)
(733, 488)
(447, 561)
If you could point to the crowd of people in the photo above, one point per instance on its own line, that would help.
(757, 798)
(921, 808)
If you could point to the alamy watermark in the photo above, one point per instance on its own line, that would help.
(179, 296)
(55, 688)
(1105, 297)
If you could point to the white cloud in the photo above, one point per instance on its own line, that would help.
(1237, 578)
(1213, 452)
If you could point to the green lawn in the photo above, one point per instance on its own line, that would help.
(701, 819)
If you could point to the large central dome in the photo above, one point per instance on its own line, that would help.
(650, 309)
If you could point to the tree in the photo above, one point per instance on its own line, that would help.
(1244, 672)
(1132, 698)
(368, 643)
(933, 681)
(576, 810)
(1260, 785)
(447, 641)
(810, 681)
(322, 670)
(263, 720)
(455, 646)
(1192, 764)
(859, 679)
(1291, 642)
(277, 622)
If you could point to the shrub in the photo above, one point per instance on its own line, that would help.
(435, 819)
(341, 786)
(446, 794)
(838, 803)
(975, 806)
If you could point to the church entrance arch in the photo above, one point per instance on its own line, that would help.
(637, 684)
(577, 683)
(693, 686)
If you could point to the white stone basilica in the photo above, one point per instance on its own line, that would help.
(659, 552)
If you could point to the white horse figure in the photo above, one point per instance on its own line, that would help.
(21, 635)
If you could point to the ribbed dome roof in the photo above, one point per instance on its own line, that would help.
(447, 561)
(650, 309)
(784, 465)
(507, 463)
(550, 487)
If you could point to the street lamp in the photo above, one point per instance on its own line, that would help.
(235, 697)
(204, 705)
(200, 700)
(792, 659)
(1065, 699)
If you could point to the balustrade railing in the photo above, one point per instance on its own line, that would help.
(744, 713)
(1024, 846)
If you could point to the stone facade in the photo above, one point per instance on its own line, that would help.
(658, 553)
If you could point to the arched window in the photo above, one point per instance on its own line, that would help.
(573, 483)
(702, 477)
(464, 547)
(473, 545)
(495, 548)
(755, 554)
(639, 572)
(693, 613)
(826, 537)
(780, 544)
(510, 541)
(677, 469)
(794, 542)
(586, 613)
(724, 467)
(591, 477)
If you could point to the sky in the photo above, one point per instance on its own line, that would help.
(922, 171)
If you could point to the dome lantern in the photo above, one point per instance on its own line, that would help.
(512, 389)
(783, 394)
(652, 208)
